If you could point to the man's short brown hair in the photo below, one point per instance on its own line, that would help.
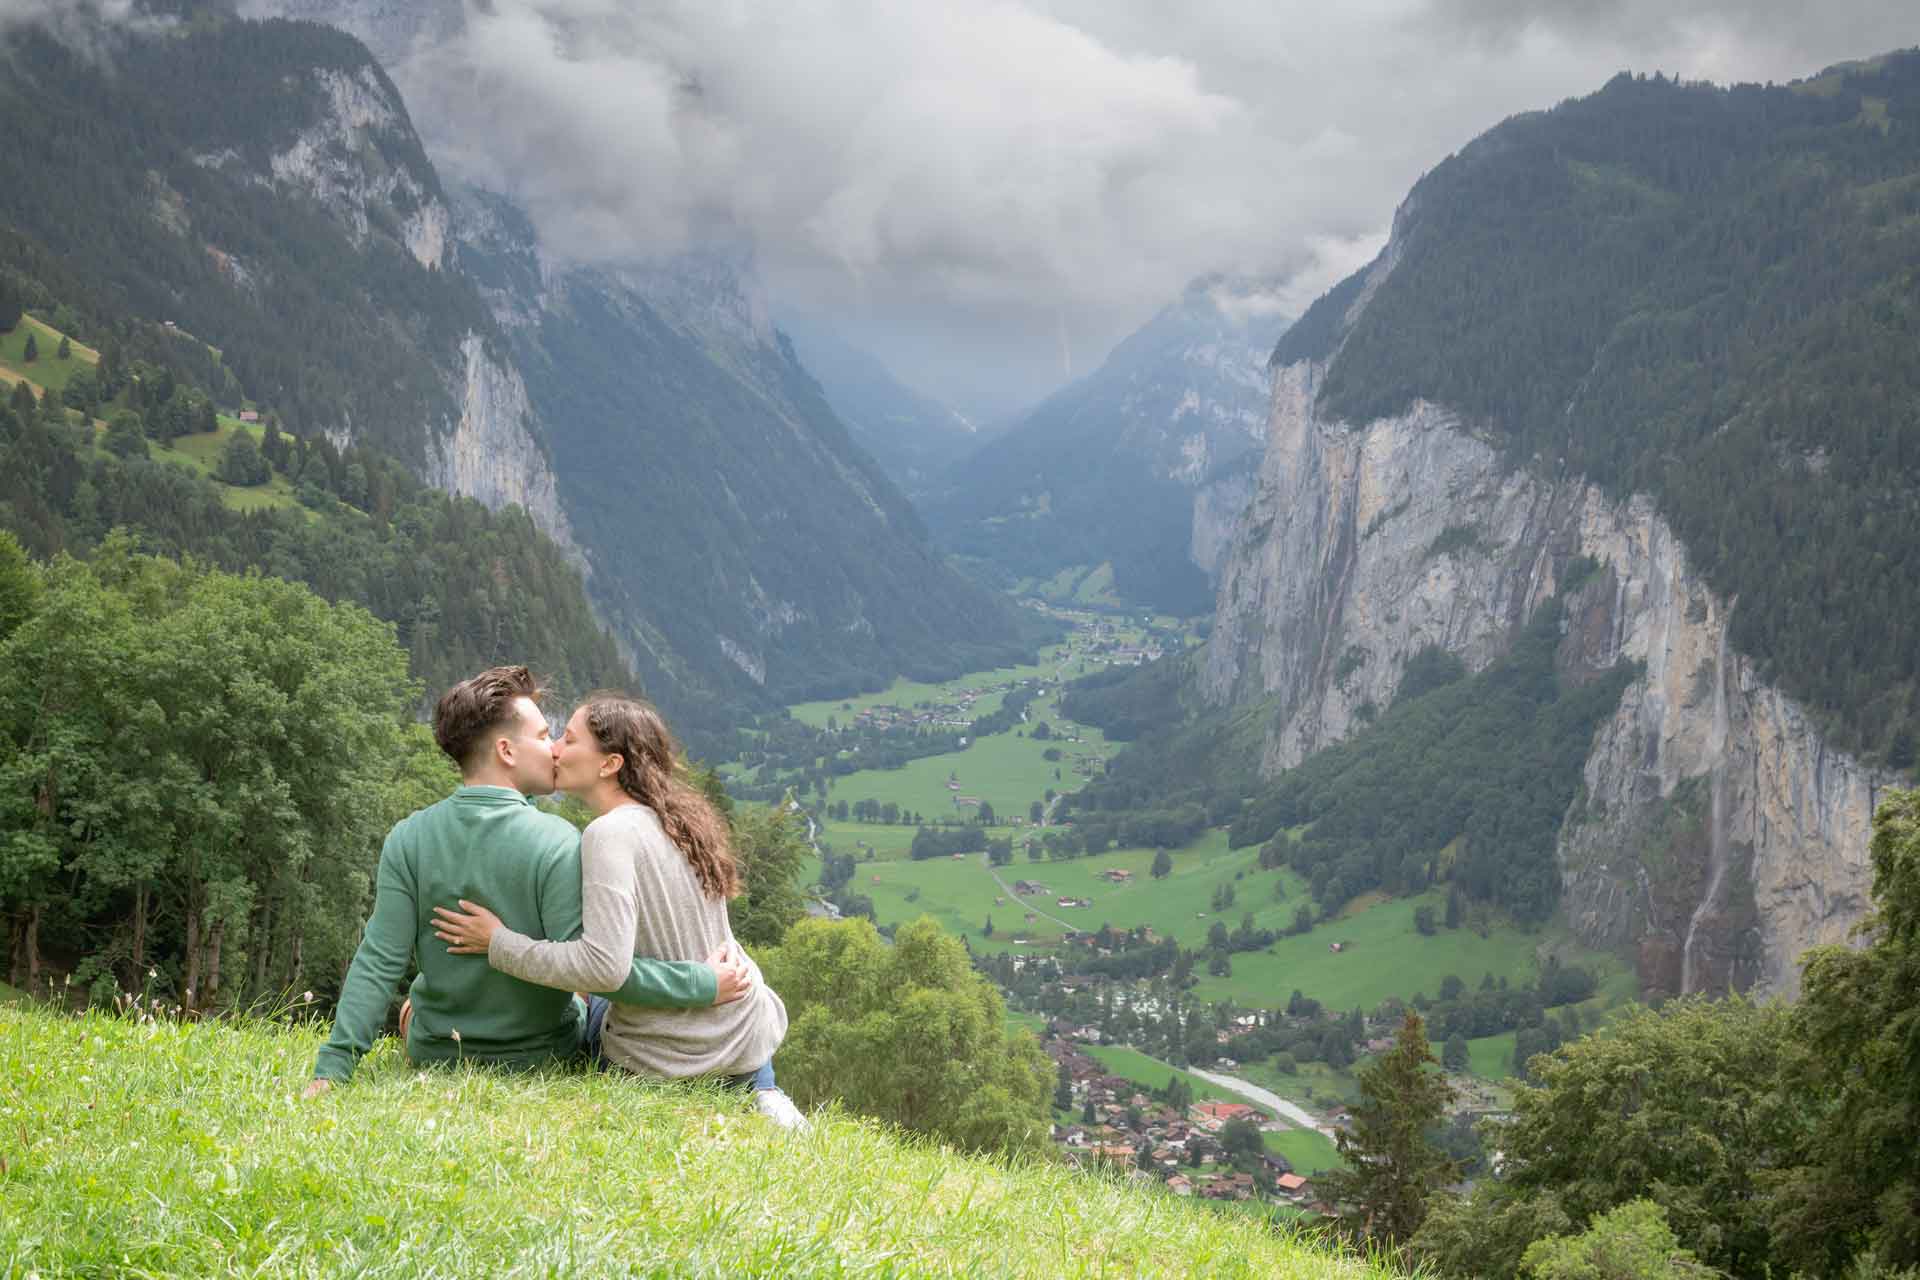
(471, 710)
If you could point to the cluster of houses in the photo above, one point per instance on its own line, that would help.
(1151, 1140)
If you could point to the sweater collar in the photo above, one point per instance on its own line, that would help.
(490, 795)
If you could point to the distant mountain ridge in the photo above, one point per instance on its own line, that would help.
(912, 435)
(1115, 466)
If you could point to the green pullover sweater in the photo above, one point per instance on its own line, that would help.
(491, 846)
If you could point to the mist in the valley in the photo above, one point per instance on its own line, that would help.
(989, 195)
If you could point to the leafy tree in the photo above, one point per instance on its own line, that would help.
(1632, 1242)
(1859, 1019)
(908, 1033)
(771, 844)
(1456, 1056)
(1682, 1105)
(1423, 921)
(205, 762)
(1162, 865)
(126, 436)
(1241, 1138)
(241, 463)
(1392, 1165)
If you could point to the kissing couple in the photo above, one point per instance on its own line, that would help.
(508, 911)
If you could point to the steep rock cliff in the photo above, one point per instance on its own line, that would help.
(1716, 832)
(491, 454)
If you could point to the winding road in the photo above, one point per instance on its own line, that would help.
(1253, 1092)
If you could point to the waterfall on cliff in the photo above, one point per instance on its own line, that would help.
(1717, 856)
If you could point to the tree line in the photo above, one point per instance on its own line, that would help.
(1702, 1137)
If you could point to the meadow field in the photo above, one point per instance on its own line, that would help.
(180, 1148)
(1008, 770)
(47, 370)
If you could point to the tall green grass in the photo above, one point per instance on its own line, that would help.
(148, 1149)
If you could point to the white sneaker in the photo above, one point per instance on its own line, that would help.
(776, 1106)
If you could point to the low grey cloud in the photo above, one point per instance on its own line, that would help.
(990, 192)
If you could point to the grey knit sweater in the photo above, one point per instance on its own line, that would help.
(639, 897)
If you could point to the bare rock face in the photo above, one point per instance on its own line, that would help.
(1716, 831)
(490, 453)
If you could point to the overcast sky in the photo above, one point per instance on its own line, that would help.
(989, 195)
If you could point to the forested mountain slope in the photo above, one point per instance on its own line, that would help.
(748, 550)
(249, 200)
(1707, 295)
(1648, 354)
(1130, 463)
(914, 437)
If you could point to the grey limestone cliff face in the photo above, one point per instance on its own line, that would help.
(1716, 834)
(338, 160)
(490, 453)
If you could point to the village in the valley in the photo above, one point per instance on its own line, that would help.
(1191, 1148)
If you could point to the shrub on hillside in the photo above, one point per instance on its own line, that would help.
(907, 1033)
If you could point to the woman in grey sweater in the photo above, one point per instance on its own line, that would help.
(656, 873)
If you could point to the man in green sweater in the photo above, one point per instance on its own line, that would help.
(488, 843)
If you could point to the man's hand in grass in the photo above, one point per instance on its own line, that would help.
(315, 1088)
(732, 978)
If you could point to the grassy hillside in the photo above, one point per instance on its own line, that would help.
(170, 1148)
(47, 370)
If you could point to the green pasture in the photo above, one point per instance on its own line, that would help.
(1308, 1150)
(1381, 954)
(1151, 1073)
(48, 370)
(1491, 1057)
(911, 693)
(888, 843)
(958, 893)
(201, 452)
(1314, 1085)
(1007, 771)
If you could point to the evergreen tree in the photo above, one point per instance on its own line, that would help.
(126, 437)
(65, 350)
(1063, 1090)
(32, 351)
(1392, 1166)
(1456, 1055)
(241, 463)
(273, 445)
(1162, 865)
(1453, 908)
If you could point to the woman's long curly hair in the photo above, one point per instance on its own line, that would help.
(652, 773)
